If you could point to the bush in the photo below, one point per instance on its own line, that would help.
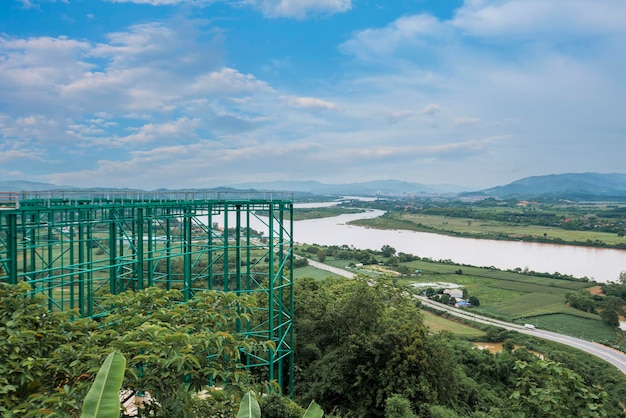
(277, 406)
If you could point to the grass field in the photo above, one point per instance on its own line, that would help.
(504, 294)
(312, 272)
(438, 323)
(587, 329)
(486, 229)
(300, 214)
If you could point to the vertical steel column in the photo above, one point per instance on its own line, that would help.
(238, 257)
(168, 249)
(85, 308)
(248, 248)
(238, 249)
(149, 219)
(88, 263)
(291, 295)
(187, 253)
(49, 246)
(12, 247)
(113, 288)
(281, 262)
(210, 247)
(270, 290)
(225, 238)
(138, 220)
(24, 246)
(32, 246)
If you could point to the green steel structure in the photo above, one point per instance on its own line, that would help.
(74, 248)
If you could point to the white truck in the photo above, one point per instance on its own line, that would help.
(529, 326)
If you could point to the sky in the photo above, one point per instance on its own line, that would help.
(203, 93)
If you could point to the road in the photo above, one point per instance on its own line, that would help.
(614, 357)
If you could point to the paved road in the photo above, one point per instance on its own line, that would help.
(614, 357)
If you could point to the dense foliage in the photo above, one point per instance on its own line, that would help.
(173, 350)
(362, 350)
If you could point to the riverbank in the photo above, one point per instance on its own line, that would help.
(470, 228)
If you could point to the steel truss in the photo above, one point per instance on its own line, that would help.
(76, 248)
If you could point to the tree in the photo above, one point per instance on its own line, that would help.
(473, 300)
(173, 349)
(548, 389)
(611, 310)
(445, 299)
(387, 251)
(622, 277)
(29, 337)
(397, 406)
(321, 255)
(367, 342)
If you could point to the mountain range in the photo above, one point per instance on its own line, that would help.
(370, 188)
(571, 185)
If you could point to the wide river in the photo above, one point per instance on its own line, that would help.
(599, 264)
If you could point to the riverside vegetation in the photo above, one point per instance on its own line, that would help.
(597, 224)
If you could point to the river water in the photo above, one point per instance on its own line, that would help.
(599, 264)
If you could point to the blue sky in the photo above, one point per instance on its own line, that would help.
(202, 93)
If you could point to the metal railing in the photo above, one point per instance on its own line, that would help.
(100, 197)
(9, 201)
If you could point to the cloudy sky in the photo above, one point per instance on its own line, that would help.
(203, 93)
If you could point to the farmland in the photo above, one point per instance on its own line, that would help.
(514, 296)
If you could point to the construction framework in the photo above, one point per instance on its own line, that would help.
(74, 248)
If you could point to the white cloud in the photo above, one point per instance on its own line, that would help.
(169, 131)
(431, 110)
(536, 19)
(310, 102)
(465, 121)
(227, 81)
(165, 2)
(386, 41)
(300, 9)
(34, 4)
(412, 152)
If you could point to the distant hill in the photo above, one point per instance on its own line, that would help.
(570, 185)
(28, 186)
(576, 186)
(378, 187)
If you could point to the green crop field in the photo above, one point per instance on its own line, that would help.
(438, 323)
(518, 297)
(584, 328)
(312, 272)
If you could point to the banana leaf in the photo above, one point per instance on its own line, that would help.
(103, 399)
(313, 411)
(249, 407)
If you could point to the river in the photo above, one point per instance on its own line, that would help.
(600, 264)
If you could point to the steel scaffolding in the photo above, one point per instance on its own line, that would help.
(74, 248)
